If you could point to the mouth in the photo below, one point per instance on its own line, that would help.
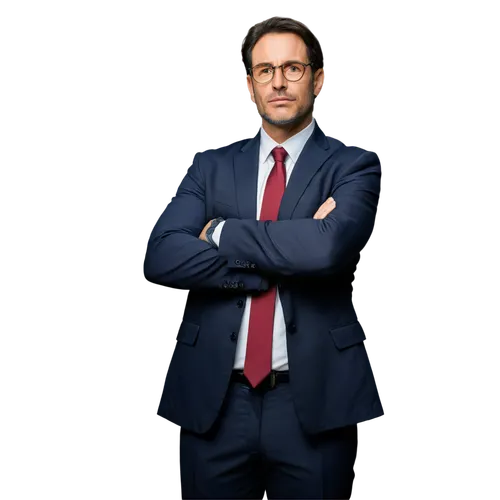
(280, 101)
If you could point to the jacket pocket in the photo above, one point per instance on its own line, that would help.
(347, 335)
(188, 332)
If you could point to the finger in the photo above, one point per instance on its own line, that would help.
(325, 212)
(321, 211)
(331, 205)
(325, 208)
(328, 204)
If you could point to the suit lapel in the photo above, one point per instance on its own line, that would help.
(311, 158)
(246, 164)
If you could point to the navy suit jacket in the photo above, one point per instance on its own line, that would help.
(312, 261)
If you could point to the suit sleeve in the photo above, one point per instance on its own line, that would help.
(302, 247)
(177, 258)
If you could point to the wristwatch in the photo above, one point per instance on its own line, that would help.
(211, 229)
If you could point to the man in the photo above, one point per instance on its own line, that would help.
(270, 375)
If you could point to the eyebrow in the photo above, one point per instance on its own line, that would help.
(271, 64)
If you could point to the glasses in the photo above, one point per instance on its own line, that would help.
(293, 71)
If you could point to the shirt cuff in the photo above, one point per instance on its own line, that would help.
(217, 231)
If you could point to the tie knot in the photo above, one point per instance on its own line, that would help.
(279, 154)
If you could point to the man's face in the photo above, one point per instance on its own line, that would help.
(277, 48)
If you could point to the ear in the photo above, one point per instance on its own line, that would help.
(250, 87)
(319, 77)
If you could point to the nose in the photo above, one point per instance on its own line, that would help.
(279, 80)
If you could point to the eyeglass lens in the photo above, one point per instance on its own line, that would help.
(265, 73)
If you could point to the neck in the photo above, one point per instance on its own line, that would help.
(280, 133)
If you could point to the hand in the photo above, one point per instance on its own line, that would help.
(204, 232)
(325, 209)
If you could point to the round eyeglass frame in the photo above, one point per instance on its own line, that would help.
(282, 71)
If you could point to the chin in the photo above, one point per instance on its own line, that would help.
(285, 118)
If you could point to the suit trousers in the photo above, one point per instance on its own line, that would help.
(257, 445)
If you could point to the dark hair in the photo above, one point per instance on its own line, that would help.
(282, 25)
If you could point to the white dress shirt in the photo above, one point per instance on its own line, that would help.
(293, 146)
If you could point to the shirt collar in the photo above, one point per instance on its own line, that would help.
(293, 145)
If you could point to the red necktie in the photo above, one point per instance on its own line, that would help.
(260, 329)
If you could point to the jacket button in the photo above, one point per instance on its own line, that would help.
(233, 336)
(225, 285)
(253, 266)
(237, 262)
(241, 284)
(240, 303)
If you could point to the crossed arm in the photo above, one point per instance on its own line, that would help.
(178, 258)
